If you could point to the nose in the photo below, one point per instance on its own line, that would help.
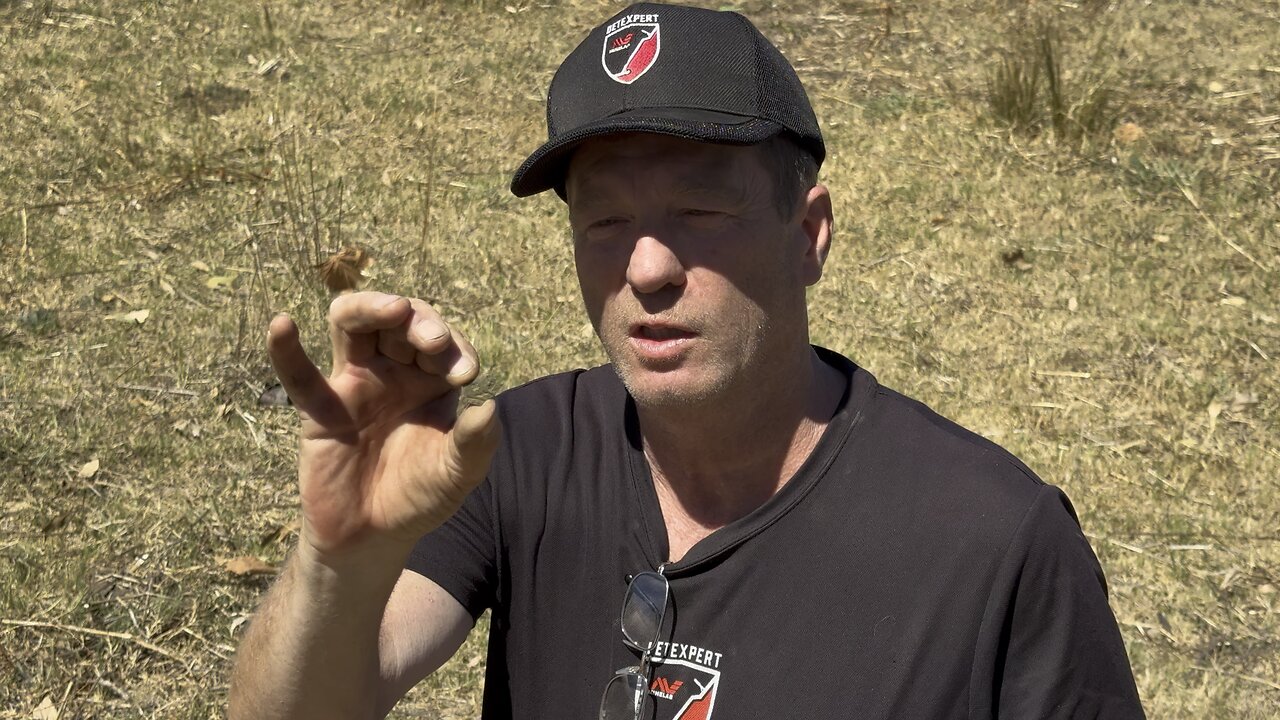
(653, 266)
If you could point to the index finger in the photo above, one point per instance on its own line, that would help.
(302, 380)
(354, 322)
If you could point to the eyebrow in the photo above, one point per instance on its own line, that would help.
(691, 185)
(694, 187)
(588, 198)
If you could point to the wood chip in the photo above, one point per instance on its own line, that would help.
(248, 565)
(45, 710)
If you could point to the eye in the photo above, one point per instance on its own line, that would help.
(704, 218)
(606, 223)
(603, 228)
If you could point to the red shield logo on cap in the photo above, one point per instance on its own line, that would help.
(630, 50)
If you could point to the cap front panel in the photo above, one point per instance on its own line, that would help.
(704, 65)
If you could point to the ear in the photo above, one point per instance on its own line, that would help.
(817, 224)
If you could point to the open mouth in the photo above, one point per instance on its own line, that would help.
(661, 332)
(660, 344)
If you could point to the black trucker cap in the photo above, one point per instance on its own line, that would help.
(672, 70)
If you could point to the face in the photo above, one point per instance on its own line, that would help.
(694, 282)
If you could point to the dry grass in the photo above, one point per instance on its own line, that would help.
(1106, 310)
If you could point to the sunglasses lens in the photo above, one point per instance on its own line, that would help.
(643, 609)
(626, 697)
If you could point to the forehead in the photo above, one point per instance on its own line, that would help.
(634, 161)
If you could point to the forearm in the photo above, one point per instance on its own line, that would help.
(311, 650)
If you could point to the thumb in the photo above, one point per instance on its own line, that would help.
(472, 441)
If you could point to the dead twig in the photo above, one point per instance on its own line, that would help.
(152, 389)
(78, 630)
(1062, 374)
(1239, 676)
(25, 234)
(1191, 198)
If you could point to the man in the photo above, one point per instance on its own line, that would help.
(781, 536)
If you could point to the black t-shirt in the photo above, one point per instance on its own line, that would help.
(910, 569)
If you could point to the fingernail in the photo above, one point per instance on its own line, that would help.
(461, 367)
(388, 302)
(428, 331)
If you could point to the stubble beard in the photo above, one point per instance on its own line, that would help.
(717, 375)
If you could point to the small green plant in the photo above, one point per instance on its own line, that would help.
(1012, 91)
(1028, 92)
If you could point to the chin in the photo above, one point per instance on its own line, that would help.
(668, 390)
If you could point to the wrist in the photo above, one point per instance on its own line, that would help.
(370, 568)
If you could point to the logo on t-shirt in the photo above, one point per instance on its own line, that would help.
(685, 679)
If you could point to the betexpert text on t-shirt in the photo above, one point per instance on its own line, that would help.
(680, 651)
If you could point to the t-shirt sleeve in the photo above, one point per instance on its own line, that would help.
(461, 555)
(1049, 645)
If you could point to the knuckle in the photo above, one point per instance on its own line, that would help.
(337, 306)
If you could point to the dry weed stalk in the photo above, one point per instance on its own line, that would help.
(314, 212)
(1012, 91)
(1027, 90)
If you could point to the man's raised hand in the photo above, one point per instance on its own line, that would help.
(385, 457)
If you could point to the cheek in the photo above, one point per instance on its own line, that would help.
(595, 281)
(757, 288)
(587, 287)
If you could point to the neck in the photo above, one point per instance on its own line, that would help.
(716, 462)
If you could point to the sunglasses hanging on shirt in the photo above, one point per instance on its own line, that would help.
(627, 696)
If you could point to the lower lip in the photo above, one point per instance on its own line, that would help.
(659, 350)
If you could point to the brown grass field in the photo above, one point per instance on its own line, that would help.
(1091, 282)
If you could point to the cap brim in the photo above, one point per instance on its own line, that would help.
(545, 168)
